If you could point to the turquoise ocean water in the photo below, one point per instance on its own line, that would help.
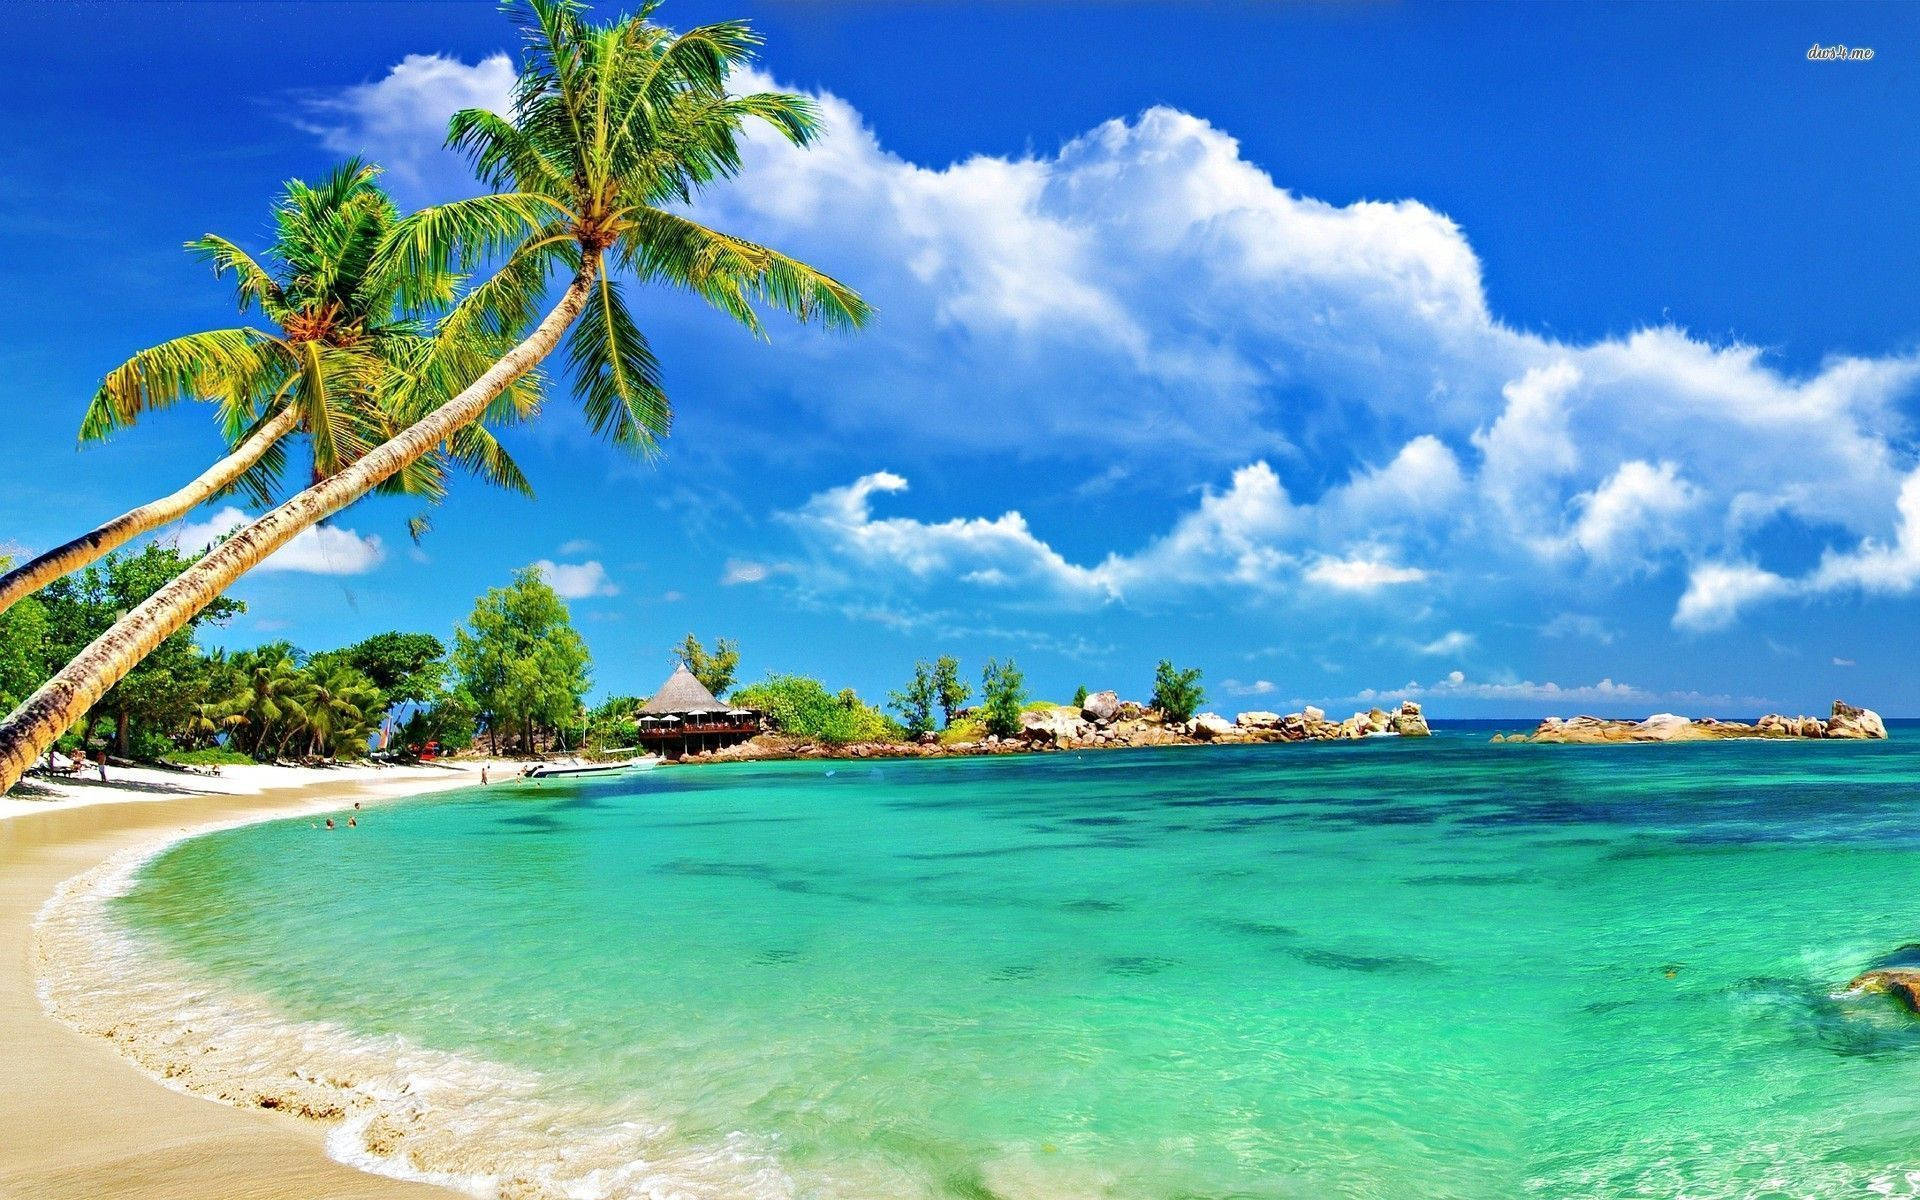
(1386, 969)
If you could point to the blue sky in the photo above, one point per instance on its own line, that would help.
(1557, 359)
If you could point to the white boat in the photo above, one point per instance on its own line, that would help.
(570, 768)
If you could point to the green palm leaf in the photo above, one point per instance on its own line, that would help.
(199, 365)
(615, 374)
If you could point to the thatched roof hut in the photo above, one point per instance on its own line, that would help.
(683, 717)
(682, 695)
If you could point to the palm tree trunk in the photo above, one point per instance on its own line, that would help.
(65, 559)
(36, 723)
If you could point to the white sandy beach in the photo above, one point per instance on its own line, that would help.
(81, 1120)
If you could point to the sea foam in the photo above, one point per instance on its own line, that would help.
(398, 1109)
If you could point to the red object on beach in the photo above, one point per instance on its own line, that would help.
(430, 751)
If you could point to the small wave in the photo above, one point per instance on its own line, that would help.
(399, 1109)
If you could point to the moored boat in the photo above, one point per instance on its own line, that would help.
(575, 767)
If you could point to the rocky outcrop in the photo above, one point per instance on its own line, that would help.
(1850, 722)
(1902, 983)
(1896, 974)
(1847, 721)
(1211, 727)
(1102, 708)
(1057, 726)
(1064, 727)
(1310, 724)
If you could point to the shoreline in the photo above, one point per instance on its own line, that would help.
(86, 1121)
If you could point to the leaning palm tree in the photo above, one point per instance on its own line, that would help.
(345, 321)
(611, 125)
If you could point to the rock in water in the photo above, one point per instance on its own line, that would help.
(1101, 708)
(1410, 721)
(1847, 721)
(1257, 720)
(1850, 722)
(1902, 983)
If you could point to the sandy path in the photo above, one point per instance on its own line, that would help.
(76, 1119)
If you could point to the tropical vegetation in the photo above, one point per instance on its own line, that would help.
(345, 361)
(1003, 692)
(1177, 692)
(802, 707)
(915, 702)
(520, 662)
(614, 128)
(716, 668)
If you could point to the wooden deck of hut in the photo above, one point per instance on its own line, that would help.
(684, 718)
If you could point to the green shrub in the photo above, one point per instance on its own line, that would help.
(802, 707)
(915, 703)
(963, 729)
(1003, 692)
(210, 756)
(1177, 693)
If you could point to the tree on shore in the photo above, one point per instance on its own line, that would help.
(1177, 693)
(1003, 693)
(521, 660)
(714, 669)
(406, 667)
(613, 127)
(1080, 695)
(915, 703)
(949, 690)
(80, 606)
(802, 707)
(23, 649)
(345, 323)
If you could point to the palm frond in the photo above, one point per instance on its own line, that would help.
(615, 373)
(732, 273)
(257, 286)
(434, 243)
(207, 365)
(503, 156)
(260, 484)
(475, 448)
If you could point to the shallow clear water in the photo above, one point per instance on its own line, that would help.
(1388, 969)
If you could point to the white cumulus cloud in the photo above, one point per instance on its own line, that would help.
(1146, 304)
(1361, 574)
(1454, 641)
(316, 550)
(400, 120)
(746, 570)
(577, 581)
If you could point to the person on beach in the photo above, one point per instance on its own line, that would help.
(103, 766)
(483, 774)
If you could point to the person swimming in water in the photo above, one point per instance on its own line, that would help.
(329, 822)
(353, 822)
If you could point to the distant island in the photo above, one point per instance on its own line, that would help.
(1846, 723)
(1101, 721)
